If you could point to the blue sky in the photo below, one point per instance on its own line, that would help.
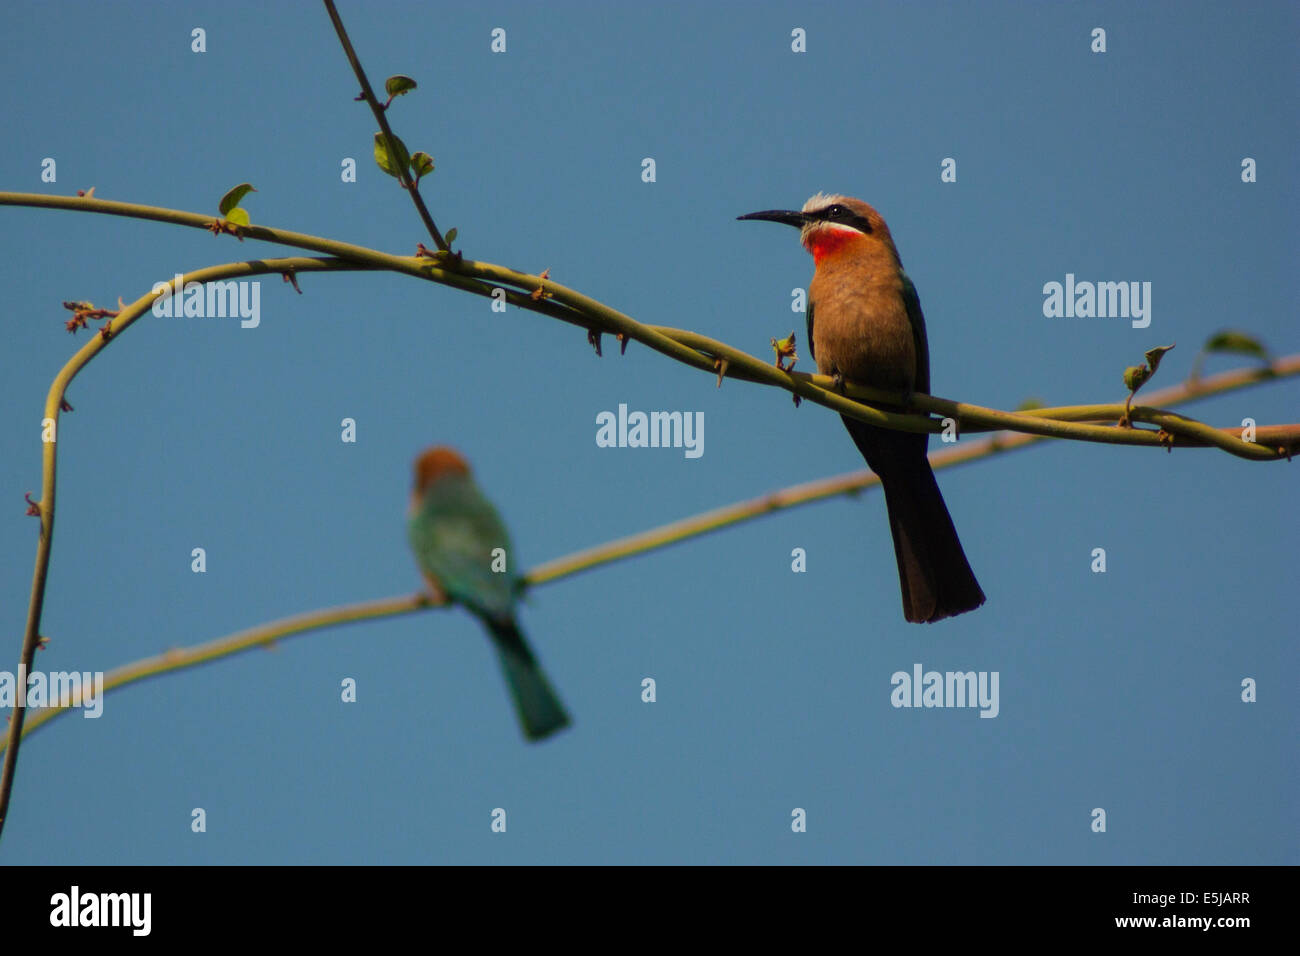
(1118, 690)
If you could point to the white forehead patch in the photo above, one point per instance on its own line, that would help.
(821, 201)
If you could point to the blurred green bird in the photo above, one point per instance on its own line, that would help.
(453, 531)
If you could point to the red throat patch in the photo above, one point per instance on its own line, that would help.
(826, 241)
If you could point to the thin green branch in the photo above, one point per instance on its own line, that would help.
(853, 483)
(99, 340)
(692, 348)
(381, 116)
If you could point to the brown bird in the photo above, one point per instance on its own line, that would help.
(869, 329)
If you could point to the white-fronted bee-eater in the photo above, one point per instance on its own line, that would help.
(865, 326)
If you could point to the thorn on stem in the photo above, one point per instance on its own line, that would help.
(593, 339)
(218, 226)
(33, 509)
(721, 365)
(540, 292)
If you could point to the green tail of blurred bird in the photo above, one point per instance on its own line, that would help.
(464, 552)
(539, 709)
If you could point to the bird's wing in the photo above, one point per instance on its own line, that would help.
(453, 541)
(811, 354)
(912, 302)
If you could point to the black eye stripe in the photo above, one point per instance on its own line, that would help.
(845, 216)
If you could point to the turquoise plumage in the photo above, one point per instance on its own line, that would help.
(464, 551)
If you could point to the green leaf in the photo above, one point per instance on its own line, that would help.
(231, 199)
(238, 215)
(398, 85)
(391, 164)
(451, 236)
(1029, 404)
(421, 164)
(1153, 356)
(1230, 340)
(1135, 376)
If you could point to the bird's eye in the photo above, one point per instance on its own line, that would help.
(834, 212)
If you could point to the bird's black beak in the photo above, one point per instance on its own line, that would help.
(787, 216)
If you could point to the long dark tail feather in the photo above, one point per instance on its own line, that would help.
(538, 706)
(935, 578)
